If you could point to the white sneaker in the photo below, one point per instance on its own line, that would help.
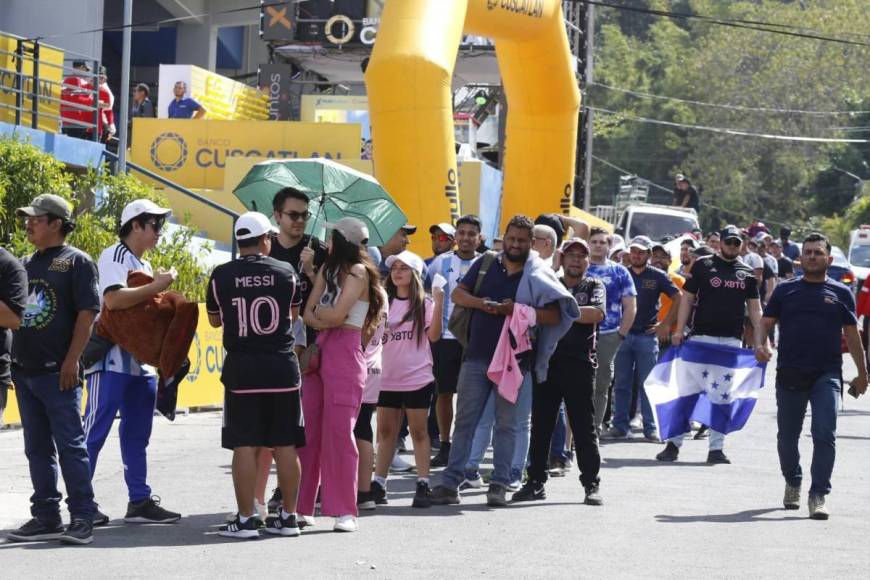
(818, 511)
(306, 521)
(345, 524)
(399, 465)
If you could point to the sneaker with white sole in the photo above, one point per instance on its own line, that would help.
(79, 533)
(281, 526)
(345, 524)
(818, 511)
(306, 522)
(615, 433)
(148, 511)
(399, 465)
(791, 500)
(243, 531)
(259, 509)
(37, 531)
(472, 480)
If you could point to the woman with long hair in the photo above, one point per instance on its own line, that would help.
(407, 382)
(345, 305)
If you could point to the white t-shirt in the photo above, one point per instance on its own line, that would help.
(114, 264)
(453, 269)
(753, 260)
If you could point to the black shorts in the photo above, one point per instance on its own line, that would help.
(363, 428)
(419, 399)
(262, 420)
(447, 359)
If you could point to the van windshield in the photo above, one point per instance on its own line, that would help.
(860, 256)
(657, 226)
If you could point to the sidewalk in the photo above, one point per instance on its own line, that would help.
(682, 520)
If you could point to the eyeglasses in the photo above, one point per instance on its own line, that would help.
(733, 242)
(296, 216)
(441, 238)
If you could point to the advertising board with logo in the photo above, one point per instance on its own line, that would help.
(222, 97)
(193, 153)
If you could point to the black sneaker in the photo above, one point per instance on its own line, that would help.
(443, 495)
(148, 511)
(378, 493)
(421, 497)
(274, 503)
(79, 532)
(100, 519)
(717, 456)
(670, 453)
(243, 531)
(531, 491)
(703, 432)
(365, 500)
(593, 496)
(495, 497)
(37, 531)
(441, 459)
(281, 526)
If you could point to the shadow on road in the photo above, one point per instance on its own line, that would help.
(616, 463)
(744, 516)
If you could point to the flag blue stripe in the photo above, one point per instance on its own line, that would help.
(674, 416)
(711, 354)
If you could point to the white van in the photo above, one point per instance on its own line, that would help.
(859, 253)
(655, 221)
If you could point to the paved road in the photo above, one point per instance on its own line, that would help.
(686, 520)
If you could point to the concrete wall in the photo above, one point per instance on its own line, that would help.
(63, 18)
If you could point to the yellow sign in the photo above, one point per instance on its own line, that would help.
(50, 78)
(226, 99)
(202, 387)
(193, 153)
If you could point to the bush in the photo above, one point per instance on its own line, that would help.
(26, 172)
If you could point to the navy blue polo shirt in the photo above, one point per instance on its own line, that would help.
(485, 329)
(183, 109)
(650, 285)
(811, 318)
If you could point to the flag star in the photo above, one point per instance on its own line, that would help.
(715, 385)
(725, 396)
(705, 374)
(728, 378)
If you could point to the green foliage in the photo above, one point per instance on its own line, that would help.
(26, 172)
(747, 177)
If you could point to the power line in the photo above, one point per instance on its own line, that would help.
(728, 131)
(783, 29)
(643, 95)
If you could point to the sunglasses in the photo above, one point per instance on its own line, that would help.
(296, 216)
(156, 225)
(733, 242)
(441, 238)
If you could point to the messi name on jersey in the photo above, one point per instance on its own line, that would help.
(255, 281)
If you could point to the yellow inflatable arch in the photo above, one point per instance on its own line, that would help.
(410, 102)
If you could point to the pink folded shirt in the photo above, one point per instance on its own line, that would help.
(504, 370)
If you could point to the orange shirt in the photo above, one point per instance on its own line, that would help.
(666, 301)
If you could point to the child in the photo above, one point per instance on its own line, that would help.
(406, 379)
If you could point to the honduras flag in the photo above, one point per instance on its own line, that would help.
(713, 384)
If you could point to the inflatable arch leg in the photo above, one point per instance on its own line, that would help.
(409, 86)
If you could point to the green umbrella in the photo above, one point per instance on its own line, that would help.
(335, 192)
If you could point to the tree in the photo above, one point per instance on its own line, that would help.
(25, 172)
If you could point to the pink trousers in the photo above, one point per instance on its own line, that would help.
(331, 399)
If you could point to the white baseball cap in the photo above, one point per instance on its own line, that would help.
(253, 224)
(352, 230)
(444, 227)
(410, 259)
(139, 207)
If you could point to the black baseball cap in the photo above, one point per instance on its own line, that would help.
(730, 231)
(552, 220)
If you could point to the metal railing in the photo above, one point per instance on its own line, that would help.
(38, 86)
(113, 158)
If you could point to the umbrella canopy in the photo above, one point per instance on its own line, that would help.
(334, 191)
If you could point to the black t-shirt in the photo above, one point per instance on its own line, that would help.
(485, 329)
(254, 296)
(13, 293)
(785, 267)
(650, 285)
(579, 342)
(62, 281)
(691, 193)
(721, 289)
(293, 256)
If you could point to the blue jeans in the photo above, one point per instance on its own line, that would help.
(483, 433)
(560, 436)
(637, 355)
(473, 390)
(791, 408)
(52, 423)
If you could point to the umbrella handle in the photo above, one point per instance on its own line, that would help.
(319, 209)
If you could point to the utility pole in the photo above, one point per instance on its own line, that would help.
(588, 125)
(125, 85)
